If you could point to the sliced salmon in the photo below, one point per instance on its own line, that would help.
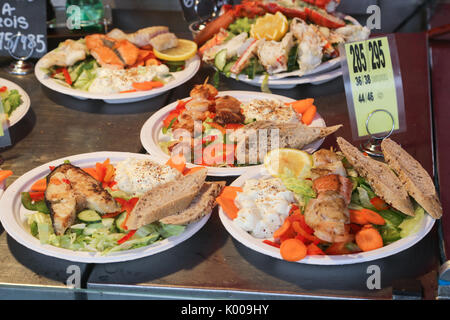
(106, 57)
(127, 52)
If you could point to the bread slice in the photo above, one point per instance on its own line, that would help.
(413, 176)
(381, 178)
(202, 204)
(166, 200)
(291, 135)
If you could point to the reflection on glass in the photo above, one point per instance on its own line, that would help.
(91, 14)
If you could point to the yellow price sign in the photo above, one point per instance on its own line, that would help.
(373, 82)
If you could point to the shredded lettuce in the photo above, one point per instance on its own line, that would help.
(241, 25)
(364, 198)
(11, 100)
(301, 187)
(411, 225)
(98, 237)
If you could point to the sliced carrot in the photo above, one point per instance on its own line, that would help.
(284, 229)
(300, 106)
(329, 182)
(128, 91)
(39, 185)
(302, 232)
(5, 174)
(357, 217)
(309, 114)
(109, 175)
(365, 216)
(147, 85)
(92, 172)
(368, 238)
(228, 207)
(314, 250)
(293, 250)
(373, 217)
(191, 170)
(337, 248)
(379, 203)
(177, 162)
(230, 192)
(152, 62)
(101, 171)
(300, 218)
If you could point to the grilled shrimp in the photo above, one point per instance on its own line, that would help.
(327, 215)
(203, 92)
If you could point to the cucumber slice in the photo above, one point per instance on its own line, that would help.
(89, 216)
(227, 69)
(220, 59)
(119, 221)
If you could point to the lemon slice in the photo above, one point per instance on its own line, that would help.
(185, 50)
(296, 161)
(270, 27)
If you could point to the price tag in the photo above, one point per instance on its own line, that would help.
(373, 82)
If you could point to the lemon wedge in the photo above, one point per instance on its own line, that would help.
(270, 27)
(296, 161)
(185, 50)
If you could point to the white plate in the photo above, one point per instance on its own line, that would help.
(13, 215)
(286, 80)
(191, 68)
(2, 187)
(289, 83)
(256, 244)
(151, 131)
(21, 110)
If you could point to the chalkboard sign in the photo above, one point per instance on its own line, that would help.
(23, 28)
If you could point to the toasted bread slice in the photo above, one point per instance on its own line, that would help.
(202, 204)
(381, 178)
(291, 135)
(166, 200)
(413, 176)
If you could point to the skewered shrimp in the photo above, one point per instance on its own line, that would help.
(203, 92)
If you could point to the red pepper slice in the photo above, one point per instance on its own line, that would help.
(67, 76)
(128, 207)
(126, 237)
(111, 215)
(271, 243)
(36, 196)
(3, 89)
(379, 203)
(172, 115)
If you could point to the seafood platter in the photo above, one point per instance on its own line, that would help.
(119, 67)
(278, 44)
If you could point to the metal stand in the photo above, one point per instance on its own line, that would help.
(20, 67)
(373, 146)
